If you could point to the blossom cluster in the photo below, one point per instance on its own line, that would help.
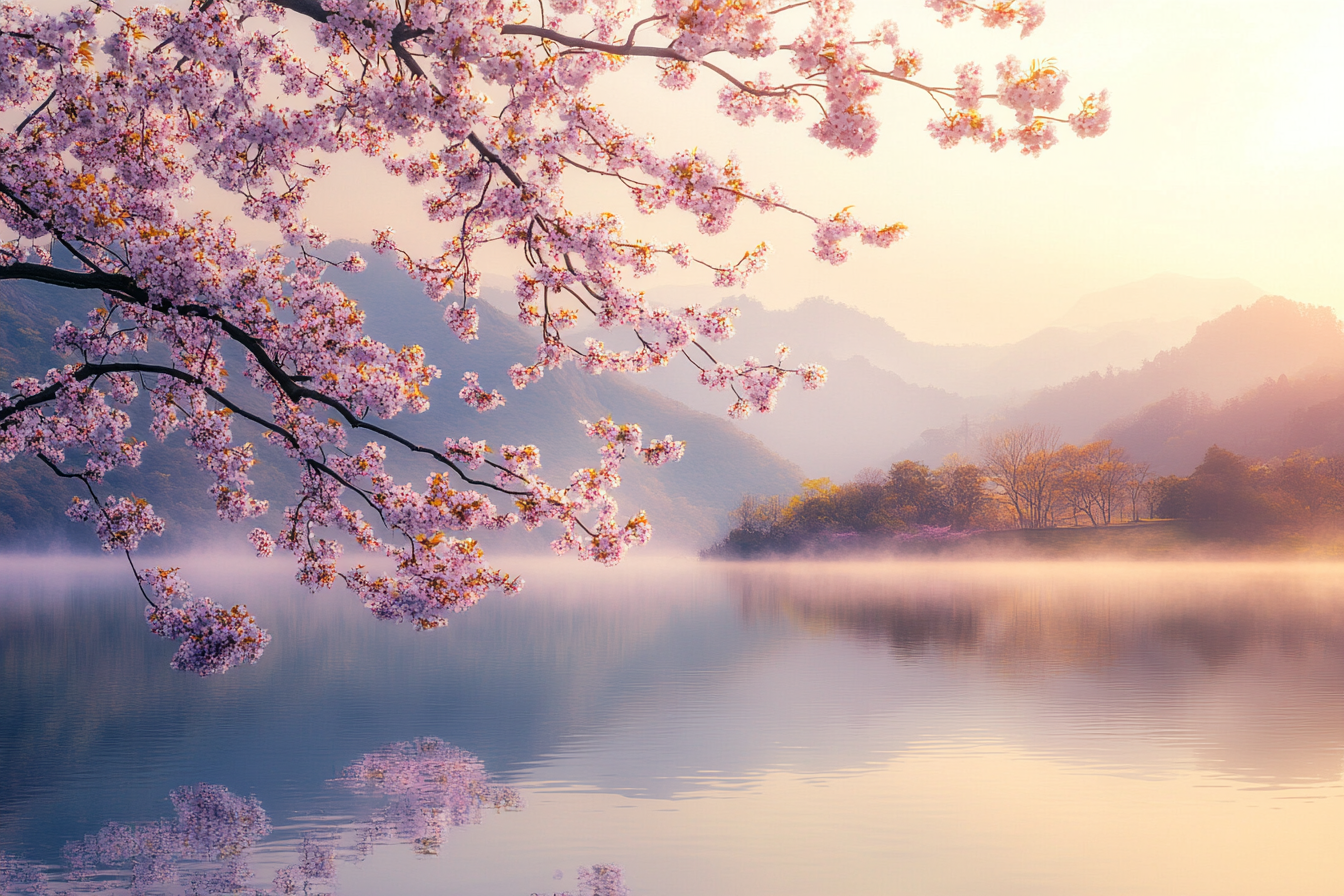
(214, 638)
(119, 523)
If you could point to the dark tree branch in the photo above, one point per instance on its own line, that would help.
(94, 495)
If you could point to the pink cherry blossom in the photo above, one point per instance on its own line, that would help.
(474, 396)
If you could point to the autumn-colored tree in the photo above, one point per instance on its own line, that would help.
(1137, 487)
(1022, 464)
(913, 492)
(961, 487)
(1092, 479)
(758, 514)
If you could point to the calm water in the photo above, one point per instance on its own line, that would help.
(712, 729)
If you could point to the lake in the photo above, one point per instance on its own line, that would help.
(711, 728)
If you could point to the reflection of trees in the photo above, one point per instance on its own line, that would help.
(432, 786)
(1245, 663)
(1024, 618)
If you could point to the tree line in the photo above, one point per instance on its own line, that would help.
(910, 498)
(1045, 484)
(1303, 489)
(1028, 479)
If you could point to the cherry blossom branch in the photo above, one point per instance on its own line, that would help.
(123, 286)
(629, 49)
(103, 510)
(36, 112)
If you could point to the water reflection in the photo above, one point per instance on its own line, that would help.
(1246, 666)
(205, 848)
(715, 729)
(431, 786)
(425, 788)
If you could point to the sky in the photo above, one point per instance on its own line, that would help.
(1225, 159)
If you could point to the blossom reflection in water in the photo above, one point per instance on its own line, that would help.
(432, 786)
(429, 787)
(212, 826)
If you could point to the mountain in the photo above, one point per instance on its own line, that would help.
(1166, 298)
(687, 501)
(885, 389)
(1116, 328)
(29, 314)
(820, 329)
(1273, 420)
(1226, 357)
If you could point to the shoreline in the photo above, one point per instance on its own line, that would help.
(1144, 540)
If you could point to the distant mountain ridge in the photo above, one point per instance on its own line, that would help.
(885, 390)
(1228, 355)
(1164, 298)
(1273, 420)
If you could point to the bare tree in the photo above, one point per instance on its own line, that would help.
(758, 514)
(1137, 487)
(1020, 462)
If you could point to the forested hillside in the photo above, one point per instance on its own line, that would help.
(1272, 420)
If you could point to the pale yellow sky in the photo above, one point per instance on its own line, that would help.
(1225, 159)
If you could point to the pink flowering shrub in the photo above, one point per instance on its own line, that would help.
(114, 119)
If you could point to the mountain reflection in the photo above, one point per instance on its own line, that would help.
(1248, 669)
(426, 787)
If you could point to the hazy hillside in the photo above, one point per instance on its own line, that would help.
(1120, 328)
(1227, 356)
(827, 331)
(688, 501)
(885, 389)
(1272, 420)
(29, 314)
(861, 415)
(1166, 298)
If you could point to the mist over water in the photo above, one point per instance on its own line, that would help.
(935, 727)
